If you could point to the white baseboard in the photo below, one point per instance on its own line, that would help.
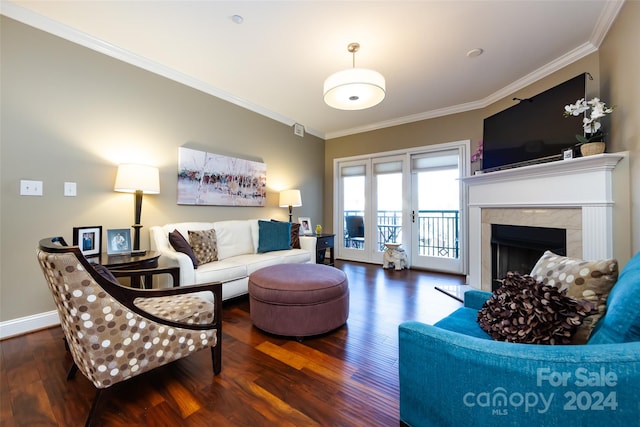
(23, 325)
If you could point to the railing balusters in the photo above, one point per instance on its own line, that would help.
(438, 231)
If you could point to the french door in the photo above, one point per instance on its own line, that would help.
(412, 198)
(436, 214)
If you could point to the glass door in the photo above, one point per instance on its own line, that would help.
(435, 210)
(388, 198)
(353, 205)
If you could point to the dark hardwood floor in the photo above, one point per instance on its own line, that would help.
(345, 378)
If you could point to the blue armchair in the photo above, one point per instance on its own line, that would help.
(453, 373)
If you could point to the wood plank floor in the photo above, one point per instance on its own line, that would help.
(345, 378)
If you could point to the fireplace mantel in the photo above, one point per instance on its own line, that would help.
(593, 190)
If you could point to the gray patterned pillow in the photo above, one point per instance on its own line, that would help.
(204, 244)
(583, 280)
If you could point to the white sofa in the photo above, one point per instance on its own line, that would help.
(237, 242)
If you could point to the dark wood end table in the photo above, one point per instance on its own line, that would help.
(120, 263)
(324, 242)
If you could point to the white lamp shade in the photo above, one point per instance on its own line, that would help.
(131, 178)
(290, 198)
(354, 89)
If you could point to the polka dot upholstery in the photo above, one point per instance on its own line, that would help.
(111, 343)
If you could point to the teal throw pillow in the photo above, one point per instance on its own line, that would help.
(273, 236)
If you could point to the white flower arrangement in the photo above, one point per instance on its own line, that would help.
(590, 123)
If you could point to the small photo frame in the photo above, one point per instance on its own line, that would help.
(305, 225)
(567, 154)
(119, 241)
(88, 239)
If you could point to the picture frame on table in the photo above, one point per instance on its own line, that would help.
(88, 239)
(305, 225)
(118, 241)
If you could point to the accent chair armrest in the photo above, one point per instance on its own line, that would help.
(475, 298)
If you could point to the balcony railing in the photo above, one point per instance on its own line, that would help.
(438, 231)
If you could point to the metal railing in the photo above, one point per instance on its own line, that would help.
(438, 231)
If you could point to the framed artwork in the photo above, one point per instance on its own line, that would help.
(89, 239)
(212, 179)
(118, 241)
(305, 225)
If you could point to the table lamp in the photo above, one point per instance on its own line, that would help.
(137, 179)
(290, 198)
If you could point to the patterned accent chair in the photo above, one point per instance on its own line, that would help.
(114, 332)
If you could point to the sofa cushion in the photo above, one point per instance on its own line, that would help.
(220, 271)
(586, 280)
(234, 238)
(204, 245)
(522, 310)
(621, 323)
(180, 244)
(273, 236)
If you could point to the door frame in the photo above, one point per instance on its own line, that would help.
(465, 168)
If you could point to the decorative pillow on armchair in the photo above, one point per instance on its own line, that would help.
(524, 311)
(205, 245)
(585, 280)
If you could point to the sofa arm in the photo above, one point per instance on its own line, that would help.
(308, 243)
(475, 298)
(448, 379)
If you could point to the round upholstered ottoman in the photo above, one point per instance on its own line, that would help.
(298, 300)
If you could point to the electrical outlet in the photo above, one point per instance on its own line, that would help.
(70, 189)
(30, 188)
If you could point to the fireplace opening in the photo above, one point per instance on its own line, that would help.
(517, 248)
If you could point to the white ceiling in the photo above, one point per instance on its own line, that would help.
(276, 61)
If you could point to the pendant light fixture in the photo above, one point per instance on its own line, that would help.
(354, 88)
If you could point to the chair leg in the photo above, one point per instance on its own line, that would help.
(72, 371)
(216, 358)
(94, 404)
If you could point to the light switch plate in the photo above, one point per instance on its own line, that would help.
(30, 188)
(70, 189)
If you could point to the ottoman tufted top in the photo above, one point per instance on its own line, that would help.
(298, 284)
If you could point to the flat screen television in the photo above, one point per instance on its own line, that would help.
(534, 130)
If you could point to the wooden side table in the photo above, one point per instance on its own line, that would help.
(324, 242)
(149, 261)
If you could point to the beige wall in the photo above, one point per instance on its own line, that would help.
(615, 74)
(620, 86)
(71, 114)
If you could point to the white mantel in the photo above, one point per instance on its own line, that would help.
(589, 194)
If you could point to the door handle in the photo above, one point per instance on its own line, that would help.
(413, 216)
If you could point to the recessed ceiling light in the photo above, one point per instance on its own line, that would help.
(237, 19)
(474, 52)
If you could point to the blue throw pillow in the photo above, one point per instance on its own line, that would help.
(273, 236)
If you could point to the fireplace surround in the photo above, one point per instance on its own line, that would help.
(517, 248)
(587, 196)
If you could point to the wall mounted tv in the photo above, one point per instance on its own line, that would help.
(534, 130)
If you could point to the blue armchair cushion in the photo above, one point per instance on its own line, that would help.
(587, 280)
(524, 311)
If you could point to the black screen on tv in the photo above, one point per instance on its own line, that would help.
(534, 128)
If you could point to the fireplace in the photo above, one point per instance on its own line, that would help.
(588, 197)
(517, 248)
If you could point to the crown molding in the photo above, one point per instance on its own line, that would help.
(43, 23)
(63, 31)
